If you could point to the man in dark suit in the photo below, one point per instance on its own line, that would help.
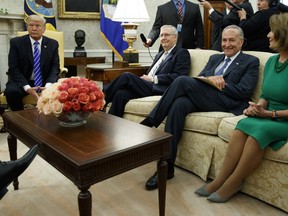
(186, 94)
(22, 67)
(166, 67)
(190, 27)
(230, 17)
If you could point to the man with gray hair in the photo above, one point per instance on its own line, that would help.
(225, 84)
(168, 64)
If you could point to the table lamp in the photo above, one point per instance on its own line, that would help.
(130, 12)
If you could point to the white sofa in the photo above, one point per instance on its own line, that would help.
(206, 135)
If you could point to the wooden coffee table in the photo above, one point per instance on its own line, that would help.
(106, 146)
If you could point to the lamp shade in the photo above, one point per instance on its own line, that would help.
(131, 11)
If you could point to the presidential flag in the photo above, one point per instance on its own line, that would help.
(111, 31)
(41, 7)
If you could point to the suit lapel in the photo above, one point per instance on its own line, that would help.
(173, 9)
(155, 60)
(28, 48)
(237, 61)
(44, 50)
(188, 10)
(169, 56)
(217, 63)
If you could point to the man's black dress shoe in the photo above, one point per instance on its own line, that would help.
(147, 122)
(152, 182)
(12, 169)
(3, 192)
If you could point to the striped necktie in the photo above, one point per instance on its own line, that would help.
(221, 70)
(37, 70)
(180, 11)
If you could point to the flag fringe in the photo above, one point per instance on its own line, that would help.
(111, 46)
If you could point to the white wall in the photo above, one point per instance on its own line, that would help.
(95, 45)
(3, 62)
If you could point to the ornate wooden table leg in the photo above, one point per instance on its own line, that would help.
(85, 202)
(12, 145)
(162, 178)
(2, 110)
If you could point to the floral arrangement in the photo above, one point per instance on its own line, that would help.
(75, 94)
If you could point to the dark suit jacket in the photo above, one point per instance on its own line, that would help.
(256, 30)
(241, 77)
(232, 18)
(177, 63)
(192, 34)
(282, 7)
(20, 61)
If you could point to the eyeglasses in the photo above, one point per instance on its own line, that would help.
(165, 35)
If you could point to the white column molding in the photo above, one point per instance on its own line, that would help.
(10, 24)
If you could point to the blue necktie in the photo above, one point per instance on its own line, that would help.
(221, 70)
(37, 70)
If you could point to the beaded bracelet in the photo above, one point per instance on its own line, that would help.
(274, 115)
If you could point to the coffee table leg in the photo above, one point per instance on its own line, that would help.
(12, 145)
(85, 202)
(162, 178)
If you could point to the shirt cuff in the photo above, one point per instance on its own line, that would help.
(211, 10)
(48, 85)
(155, 80)
(26, 87)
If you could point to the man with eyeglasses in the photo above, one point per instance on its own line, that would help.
(33, 63)
(168, 64)
(186, 17)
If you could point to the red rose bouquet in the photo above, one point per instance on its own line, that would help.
(75, 94)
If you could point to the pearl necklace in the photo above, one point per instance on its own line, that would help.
(278, 66)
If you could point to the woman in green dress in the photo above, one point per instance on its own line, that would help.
(266, 124)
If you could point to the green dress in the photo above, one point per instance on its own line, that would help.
(275, 90)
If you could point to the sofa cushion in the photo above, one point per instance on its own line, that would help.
(226, 127)
(205, 122)
(141, 106)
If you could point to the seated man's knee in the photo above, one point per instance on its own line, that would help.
(10, 91)
(121, 94)
(126, 74)
(181, 80)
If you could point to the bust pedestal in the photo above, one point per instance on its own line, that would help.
(131, 57)
(79, 52)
